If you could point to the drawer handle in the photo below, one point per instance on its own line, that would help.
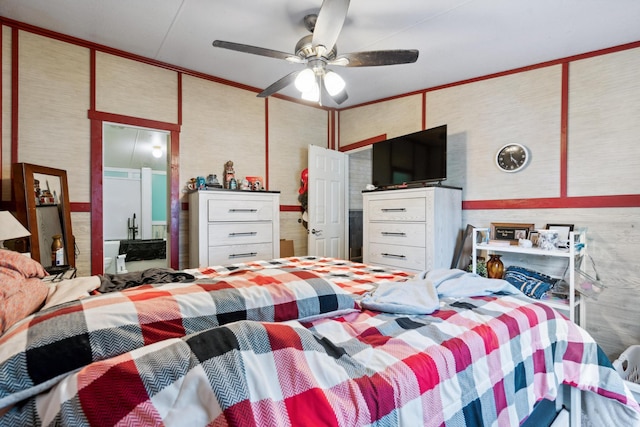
(393, 256)
(248, 254)
(247, 233)
(389, 233)
(243, 210)
(394, 209)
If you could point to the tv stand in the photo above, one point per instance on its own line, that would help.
(414, 229)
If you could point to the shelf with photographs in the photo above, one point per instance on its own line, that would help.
(568, 300)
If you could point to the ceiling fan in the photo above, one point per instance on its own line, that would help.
(318, 50)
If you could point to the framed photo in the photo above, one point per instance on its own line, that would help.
(563, 233)
(510, 231)
(462, 254)
(533, 236)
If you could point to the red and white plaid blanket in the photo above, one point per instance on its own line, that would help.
(476, 361)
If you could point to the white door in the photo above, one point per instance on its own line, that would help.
(327, 203)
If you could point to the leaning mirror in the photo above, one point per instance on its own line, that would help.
(42, 205)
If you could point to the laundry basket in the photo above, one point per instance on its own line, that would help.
(628, 366)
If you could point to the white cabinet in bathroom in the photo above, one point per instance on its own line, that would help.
(227, 226)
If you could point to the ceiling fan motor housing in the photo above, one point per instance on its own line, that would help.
(305, 49)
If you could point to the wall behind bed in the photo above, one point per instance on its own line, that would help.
(51, 82)
(579, 118)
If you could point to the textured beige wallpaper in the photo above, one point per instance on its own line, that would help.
(604, 112)
(287, 149)
(483, 116)
(221, 123)
(135, 89)
(54, 99)
(395, 117)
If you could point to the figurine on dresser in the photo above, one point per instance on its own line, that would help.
(229, 176)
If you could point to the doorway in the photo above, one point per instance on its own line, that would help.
(135, 198)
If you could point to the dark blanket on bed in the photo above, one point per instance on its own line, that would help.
(118, 282)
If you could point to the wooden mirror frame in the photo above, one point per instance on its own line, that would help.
(23, 186)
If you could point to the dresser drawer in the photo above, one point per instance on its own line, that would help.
(239, 233)
(239, 210)
(407, 209)
(397, 233)
(231, 254)
(402, 257)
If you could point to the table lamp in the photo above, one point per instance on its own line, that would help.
(10, 228)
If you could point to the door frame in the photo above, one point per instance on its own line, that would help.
(98, 118)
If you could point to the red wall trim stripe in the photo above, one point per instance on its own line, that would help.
(290, 208)
(618, 201)
(97, 226)
(133, 121)
(266, 142)
(283, 208)
(364, 142)
(80, 207)
(424, 110)
(564, 122)
(1, 110)
(14, 95)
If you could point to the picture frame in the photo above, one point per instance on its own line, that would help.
(462, 254)
(510, 231)
(533, 236)
(563, 232)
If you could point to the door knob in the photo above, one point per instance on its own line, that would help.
(317, 232)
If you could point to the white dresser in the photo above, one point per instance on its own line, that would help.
(227, 227)
(412, 229)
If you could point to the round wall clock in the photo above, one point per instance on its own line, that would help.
(512, 157)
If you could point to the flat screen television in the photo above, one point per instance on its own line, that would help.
(419, 157)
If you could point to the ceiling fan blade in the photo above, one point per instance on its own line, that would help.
(280, 84)
(239, 47)
(376, 57)
(329, 23)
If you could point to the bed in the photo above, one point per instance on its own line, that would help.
(289, 342)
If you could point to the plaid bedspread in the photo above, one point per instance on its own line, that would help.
(476, 361)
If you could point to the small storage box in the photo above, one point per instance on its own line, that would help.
(628, 366)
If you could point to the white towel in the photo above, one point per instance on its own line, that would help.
(410, 297)
(421, 294)
(457, 283)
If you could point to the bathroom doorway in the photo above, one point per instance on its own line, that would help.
(135, 198)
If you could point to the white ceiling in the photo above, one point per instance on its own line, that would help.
(457, 39)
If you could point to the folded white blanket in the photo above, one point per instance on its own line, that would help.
(457, 283)
(410, 297)
(421, 294)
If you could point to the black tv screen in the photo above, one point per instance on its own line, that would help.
(419, 157)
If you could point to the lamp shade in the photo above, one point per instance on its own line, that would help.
(306, 80)
(10, 228)
(334, 83)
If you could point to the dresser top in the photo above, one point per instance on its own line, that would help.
(225, 190)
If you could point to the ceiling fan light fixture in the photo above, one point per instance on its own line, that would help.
(313, 94)
(306, 80)
(334, 83)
